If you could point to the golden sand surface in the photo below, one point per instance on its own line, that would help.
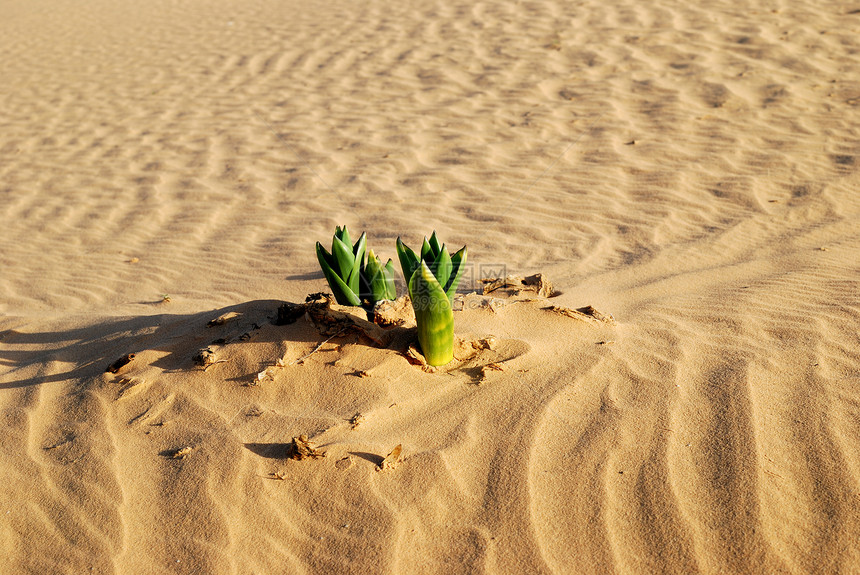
(691, 168)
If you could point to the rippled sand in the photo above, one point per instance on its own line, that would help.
(692, 169)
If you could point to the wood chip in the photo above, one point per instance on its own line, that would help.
(301, 448)
(391, 461)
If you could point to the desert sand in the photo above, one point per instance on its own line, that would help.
(692, 169)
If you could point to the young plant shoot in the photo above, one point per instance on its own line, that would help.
(351, 282)
(432, 280)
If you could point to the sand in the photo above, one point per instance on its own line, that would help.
(692, 169)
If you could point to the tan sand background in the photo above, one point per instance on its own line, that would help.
(692, 168)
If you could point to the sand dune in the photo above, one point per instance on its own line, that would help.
(691, 169)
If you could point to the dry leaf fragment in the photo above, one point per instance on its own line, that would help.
(182, 453)
(133, 260)
(120, 363)
(356, 420)
(301, 448)
(391, 460)
(279, 475)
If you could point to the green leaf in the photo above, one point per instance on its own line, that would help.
(343, 294)
(390, 287)
(434, 244)
(343, 235)
(341, 291)
(380, 279)
(324, 256)
(353, 281)
(441, 268)
(427, 253)
(343, 256)
(434, 316)
(458, 263)
(408, 260)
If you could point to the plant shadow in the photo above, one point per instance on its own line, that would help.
(83, 353)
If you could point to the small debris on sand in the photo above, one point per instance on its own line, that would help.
(466, 349)
(356, 420)
(390, 313)
(120, 363)
(223, 318)
(391, 460)
(289, 313)
(330, 318)
(343, 463)
(182, 453)
(206, 357)
(536, 283)
(301, 448)
(587, 314)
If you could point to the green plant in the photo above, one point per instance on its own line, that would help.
(351, 281)
(379, 278)
(432, 280)
(342, 267)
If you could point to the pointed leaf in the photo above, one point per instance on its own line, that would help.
(458, 263)
(358, 263)
(427, 253)
(343, 235)
(434, 244)
(343, 294)
(341, 291)
(324, 256)
(344, 258)
(408, 260)
(442, 267)
(390, 287)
